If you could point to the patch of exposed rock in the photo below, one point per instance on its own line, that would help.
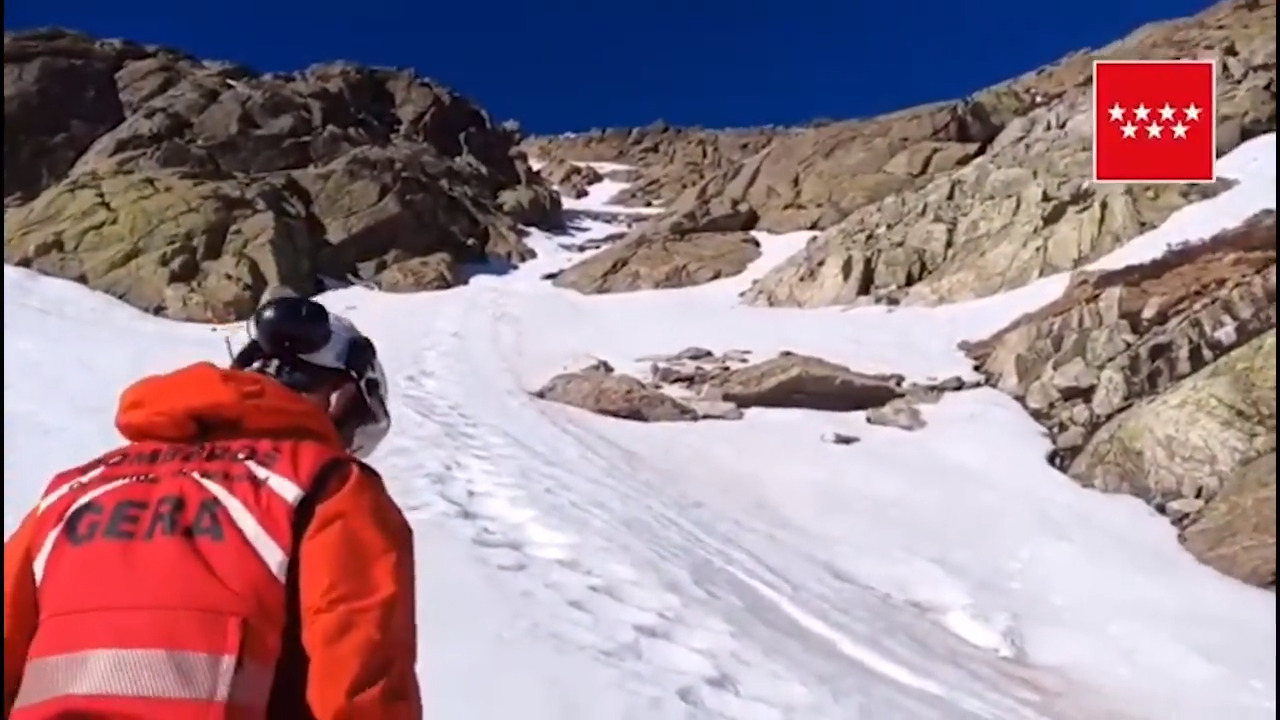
(1158, 379)
(1186, 441)
(645, 260)
(899, 412)
(1235, 532)
(792, 380)
(697, 384)
(571, 178)
(814, 178)
(186, 187)
(686, 246)
(615, 395)
(599, 389)
(667, 160)
(801, 178)
(693, 367)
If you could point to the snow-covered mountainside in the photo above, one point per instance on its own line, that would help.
(576, 567)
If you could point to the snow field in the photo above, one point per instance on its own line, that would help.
(574, 567)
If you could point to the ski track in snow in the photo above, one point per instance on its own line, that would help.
(628, 613)
(603, 569)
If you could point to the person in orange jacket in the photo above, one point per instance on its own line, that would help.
(235, 559)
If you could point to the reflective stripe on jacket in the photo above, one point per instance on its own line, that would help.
(148, 582)
(213, 526)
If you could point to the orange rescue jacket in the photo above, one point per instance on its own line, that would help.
(231, 561)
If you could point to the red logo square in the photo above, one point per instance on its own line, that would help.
(1154, 121)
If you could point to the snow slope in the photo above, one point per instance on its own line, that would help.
(574, 567)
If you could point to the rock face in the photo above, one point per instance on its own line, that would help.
(186, 187)
(1023, 211)
(948, 201)
(1021, 206)
(194, 249)
(1236, 530)
(1157, 379)
(668, 160)
(1187, 441)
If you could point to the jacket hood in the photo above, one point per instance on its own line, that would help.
(203, 402)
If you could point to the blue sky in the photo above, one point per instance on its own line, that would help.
(559, 66)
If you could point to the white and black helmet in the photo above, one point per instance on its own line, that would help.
(300, 343)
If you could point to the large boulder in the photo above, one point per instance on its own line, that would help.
(647, 260)
(382, 204)
(395, 168)
(605, 392)
(791, 380)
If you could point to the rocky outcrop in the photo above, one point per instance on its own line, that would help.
(191, 249)
(812, 179)
(1025, 210)
(1187, 441)
(438, 271)
(647, 260)
(667, 160)
(791, 179)
(570, 178)
(1021, 205)
(693, 368)
(336, 170)
(687, 246)
(1119, 336)
(953, 200)
(1158, 379)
